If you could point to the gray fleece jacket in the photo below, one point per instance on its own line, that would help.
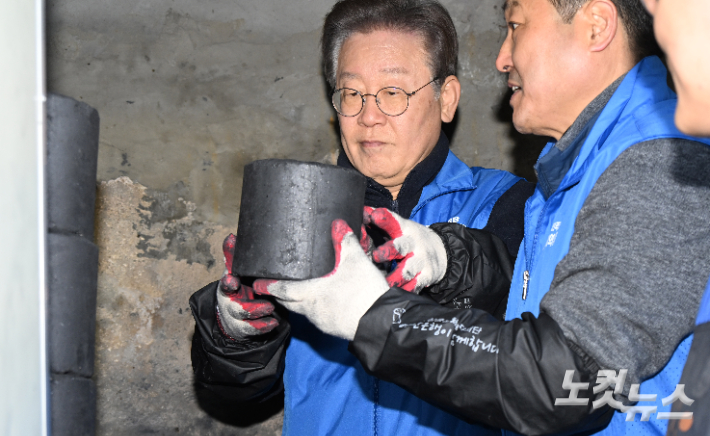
(617, 282)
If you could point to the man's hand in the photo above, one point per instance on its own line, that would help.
(239, 313)
(335, 302)
(366, 242)
(418, 250)
(368, 246)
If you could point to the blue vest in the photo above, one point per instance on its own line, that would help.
(641, 109)
(327, 390)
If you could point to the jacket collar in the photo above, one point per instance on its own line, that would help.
(421, 175)
(553, 166)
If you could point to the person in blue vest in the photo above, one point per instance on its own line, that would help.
(681, 30)
(391, 65)
(612, 267)
(695, 417)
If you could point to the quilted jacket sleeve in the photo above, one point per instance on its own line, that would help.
(241, 371)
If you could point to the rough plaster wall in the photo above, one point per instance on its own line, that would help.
(188, 93)
(152, 255)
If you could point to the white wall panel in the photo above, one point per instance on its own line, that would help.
(23, 379)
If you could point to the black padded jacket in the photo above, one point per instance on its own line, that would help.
(487, 371)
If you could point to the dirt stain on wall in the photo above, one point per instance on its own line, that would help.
(153, 254)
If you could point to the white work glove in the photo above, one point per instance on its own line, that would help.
(418, 250)
(239, 313)
(335, 302)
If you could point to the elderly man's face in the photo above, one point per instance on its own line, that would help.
(543, 57)
(683, 32)
(383, 147)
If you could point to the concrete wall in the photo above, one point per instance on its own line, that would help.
(188, 93)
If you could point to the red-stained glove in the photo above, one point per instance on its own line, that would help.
(239, 313)
(335, 302)
(419, 252)
(368, 246)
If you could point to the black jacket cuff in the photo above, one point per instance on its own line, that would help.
(245, 370)
(478, 273)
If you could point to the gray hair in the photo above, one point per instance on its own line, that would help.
(427, 18)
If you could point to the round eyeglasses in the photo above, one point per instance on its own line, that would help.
(392, 101)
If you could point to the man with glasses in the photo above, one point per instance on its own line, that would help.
(613, 264)
(392, 67)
